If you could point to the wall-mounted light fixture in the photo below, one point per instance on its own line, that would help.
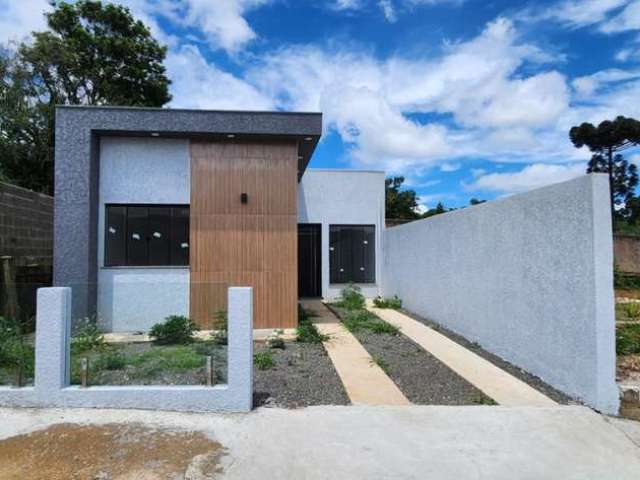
(244, 198)
(155, 134)
(231, 135)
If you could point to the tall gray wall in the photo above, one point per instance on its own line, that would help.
(528, 277)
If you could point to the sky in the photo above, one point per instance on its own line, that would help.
(464, 98)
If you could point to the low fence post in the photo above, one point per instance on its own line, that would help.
(240, 350)
(53, 329)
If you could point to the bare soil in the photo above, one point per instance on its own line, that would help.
(109, 452)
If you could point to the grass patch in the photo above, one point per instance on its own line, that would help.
(483, 399)
(358, 320)
(380, 362)
(264, 360)
(628, 311)
(628, 339)
(393, 302)
(307, 331)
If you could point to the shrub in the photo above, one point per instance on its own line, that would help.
(15, 353)
(264, 360)
(175, 330)
(364, 320)
(276, 340)
(394, 302)
(632, 310)
(628, 339)
(307, 331)
(351, 298)
(221, 324)
(87, 335)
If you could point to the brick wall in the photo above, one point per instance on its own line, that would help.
(26, 225)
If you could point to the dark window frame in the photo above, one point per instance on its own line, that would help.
(350, 260)
(173, 262)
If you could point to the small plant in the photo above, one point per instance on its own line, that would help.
(220, 336)
(380, 362)
(394, 302)
(482, 399)
(632, 310)
(307, 331)
(263, 360)
(380, 326)
(276, 341)
(175, 330)
(87, 335)
(351, 298)
(110, 360)
(628, 339)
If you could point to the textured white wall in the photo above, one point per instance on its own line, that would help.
(141, 170)
(341, 197)
(528, 277)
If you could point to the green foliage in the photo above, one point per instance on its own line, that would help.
(400, 203)
(394, 302)
(175, 330)
(483, 399)
(440, 208)
(264, 360)
(16, 354)
(92, 53)
(307, 331)
(111, 359)
(351, 298)
(380, 362)
(605, 142)
(276, 341)
(364, 320)
(625, 281)
(87, 335)
(221, 324)
(628, 339)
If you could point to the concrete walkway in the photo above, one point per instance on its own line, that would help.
(395, 443)
(364, 381)
(501, 386)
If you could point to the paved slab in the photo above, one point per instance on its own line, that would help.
(503, 387)
(364, 381)
(259, 334)
(395, 443)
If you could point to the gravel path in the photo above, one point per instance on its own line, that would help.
(420, 376)
(530, 379)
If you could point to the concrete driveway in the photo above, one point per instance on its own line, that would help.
(412, 442)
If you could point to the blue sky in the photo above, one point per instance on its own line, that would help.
(465, 98)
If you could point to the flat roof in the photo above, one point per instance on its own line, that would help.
(305, 128)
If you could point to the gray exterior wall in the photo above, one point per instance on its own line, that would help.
(149, 171)
(528, 277)
(77, 167)
(342, 197)
(26, 225)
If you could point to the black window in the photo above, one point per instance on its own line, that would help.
(352, 256)
(146, 235)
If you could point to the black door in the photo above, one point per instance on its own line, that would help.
(309, 279)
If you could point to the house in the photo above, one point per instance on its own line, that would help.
(159, 211)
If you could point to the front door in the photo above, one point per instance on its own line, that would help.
(309, 253)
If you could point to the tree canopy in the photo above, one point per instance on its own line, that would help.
(605, 142)
(400, 203)
(91, 54)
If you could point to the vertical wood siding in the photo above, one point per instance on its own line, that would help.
(252, 244)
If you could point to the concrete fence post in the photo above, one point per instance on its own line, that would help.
(53, 330)
(240, 351)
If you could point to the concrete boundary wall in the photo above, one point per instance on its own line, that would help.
(52, 387)
(528, 277)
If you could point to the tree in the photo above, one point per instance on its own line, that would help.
(400, 203)
(475, 201)
(606, 141)
(91, 54)
(440, 208)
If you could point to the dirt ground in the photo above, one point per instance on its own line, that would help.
(109, 452)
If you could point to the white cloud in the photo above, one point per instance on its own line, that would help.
(530, 177)
(577, 13)
(388, 10)
(628, 19)
(19, 18)
(450, 167)
(340, 5)
(198, 84)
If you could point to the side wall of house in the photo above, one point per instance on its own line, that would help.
(143, 171)
(343, 197)
(528, 277)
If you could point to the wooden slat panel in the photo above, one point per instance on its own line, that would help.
(253, 244)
